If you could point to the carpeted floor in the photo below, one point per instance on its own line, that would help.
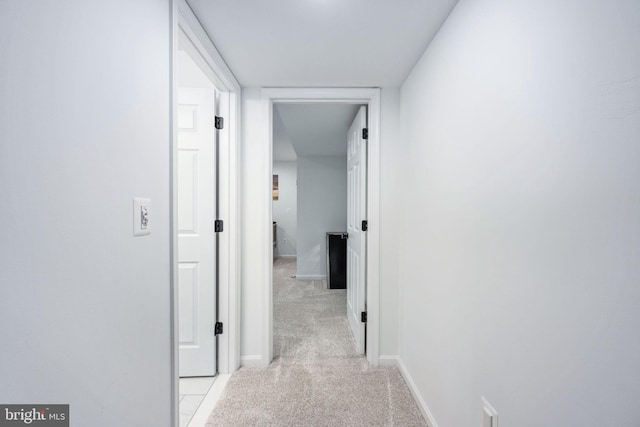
(316, 379)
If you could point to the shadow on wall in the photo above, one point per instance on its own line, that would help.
(285, 246)
(315, 262)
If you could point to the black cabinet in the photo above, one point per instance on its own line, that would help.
(337, 260)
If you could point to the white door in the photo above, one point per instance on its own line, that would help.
(357, 212)
(196, 236)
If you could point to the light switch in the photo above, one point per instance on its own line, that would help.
(141, 216)
(144, 217)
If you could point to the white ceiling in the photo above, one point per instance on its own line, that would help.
(357, 43)
(312, 129)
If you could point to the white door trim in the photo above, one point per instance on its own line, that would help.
(371, 98)
(183, 20)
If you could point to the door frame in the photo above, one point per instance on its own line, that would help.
(363, 96)
(185, 23)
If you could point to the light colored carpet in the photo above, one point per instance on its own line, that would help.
(316, 379)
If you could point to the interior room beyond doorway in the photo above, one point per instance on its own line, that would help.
(309, 201)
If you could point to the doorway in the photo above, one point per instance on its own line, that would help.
(284, 192)
(205, 255)
(370, 98)
(197, 166)
(310, 213)
(198, 101)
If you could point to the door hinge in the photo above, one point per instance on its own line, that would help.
(218, 226)
(218, 328)
(365, 225)
(365, 133)
(219, 122)
(363, 317)
(345, 236)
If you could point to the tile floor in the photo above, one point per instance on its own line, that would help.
(192, 392)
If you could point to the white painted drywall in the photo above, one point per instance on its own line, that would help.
(256, 225)
(282, 148)
(84, 128)
(285, 209)
(322, 208)
(391, 189)
(520, 267)
(314, 129)
(350, 43)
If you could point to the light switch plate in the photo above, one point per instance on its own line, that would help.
(141, 216)
(489, 414)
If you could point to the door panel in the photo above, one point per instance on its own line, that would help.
(196, 237)
(188, 302)
(356, 244)
(187, 189)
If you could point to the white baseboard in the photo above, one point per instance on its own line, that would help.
(310, 277)
(426, 412)
(251, 361)
(391, 361)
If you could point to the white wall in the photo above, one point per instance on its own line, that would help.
(84, 127)
(285, 209)
(392, 191)
(520, 241)
(256, 224)
(322, 208)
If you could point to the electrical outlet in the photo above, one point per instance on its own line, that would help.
(489, 414)
(141, 216)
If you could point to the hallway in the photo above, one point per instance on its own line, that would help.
(316, 379)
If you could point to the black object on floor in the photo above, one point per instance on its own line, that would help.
(337, 260)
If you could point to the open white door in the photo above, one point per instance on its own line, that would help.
(196, 234)
(356, 244)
